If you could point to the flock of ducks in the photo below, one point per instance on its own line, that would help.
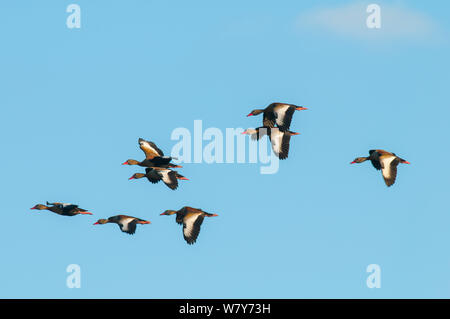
(277, 119)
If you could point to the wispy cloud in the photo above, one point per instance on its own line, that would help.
(397, 22)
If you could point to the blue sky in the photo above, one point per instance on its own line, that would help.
(75, 101)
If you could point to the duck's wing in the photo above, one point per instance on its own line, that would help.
(269, 117)
(62, 205)
(152, 175)
(280, 143)
(283, 114)
(161, 160)
(389, 168)
(375, 159)
(169, 177)
(191, 227)
(54, 204)
(127, 224)
(157, 161)
(180, 216)
(285, 142)
(150, 149)
(70, 207)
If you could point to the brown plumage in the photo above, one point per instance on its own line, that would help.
(63, 209)
(385, 161)
(126, 223)
(279, 114)
(151, 163)
(191, 219)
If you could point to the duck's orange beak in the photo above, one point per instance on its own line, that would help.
(406, 162)
(250, 115)
(125, 163)
(132, 177)
(353, 162)
(301, 108)
(96, 223)
(145, 222)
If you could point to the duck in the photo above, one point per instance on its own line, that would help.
(280, 140)
(191, 219)
(279, 114)
(385, 161)
(151, 163)
(126, 223)
(64, 209)
(155, 174)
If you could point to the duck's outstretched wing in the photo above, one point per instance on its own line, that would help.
(150, 149)
(389, 169)
(191, 227)
(283, 114)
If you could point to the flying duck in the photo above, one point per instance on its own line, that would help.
(64, 209)
(279, 114)
(155, 174)
(151, 163)
(385, 161)
(126, 223)
(279, 139)
(191, 219)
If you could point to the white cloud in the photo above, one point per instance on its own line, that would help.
(397, 22)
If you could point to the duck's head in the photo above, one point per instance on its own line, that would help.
(168, 212)
(101, 222)
(255, 112)
(39, 207)
(359, 160)
(137, 176)
(130, 162)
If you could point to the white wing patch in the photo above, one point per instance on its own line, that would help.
(189, 225)
(281, 112)
(125, 223)
(276, 138)
(386, 166)
(165, 175)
